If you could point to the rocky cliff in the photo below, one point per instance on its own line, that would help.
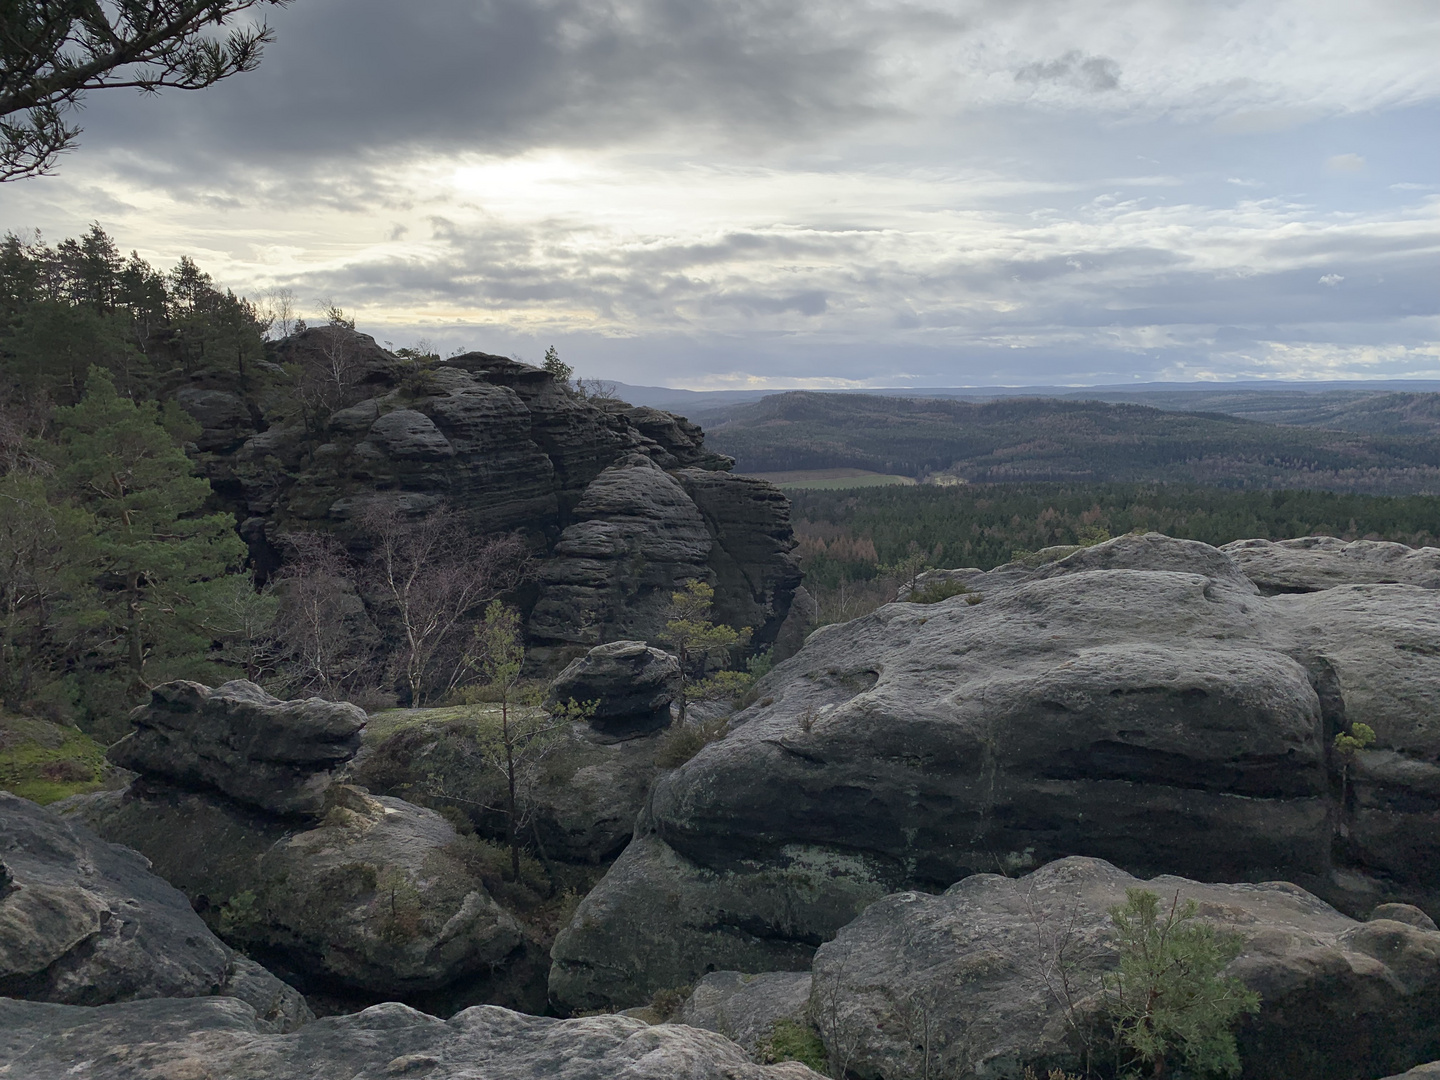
(622, 503)
(1140, 702)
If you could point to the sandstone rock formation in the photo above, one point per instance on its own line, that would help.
(1139, 701)
(380, 899)
(277, 755)
(631, 496)
(746, 1007)
(630, 683)
(220, 1039)
(1312, 563)
(999, 972)
(83, 922)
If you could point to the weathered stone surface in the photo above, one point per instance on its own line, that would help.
(225, 421)
(381, 898)
(631, 684)
(220, 1039)
(756, 571)
(1421, 1072)
(84, 922)
(745, 1007)
(1113, 704)
(1406, 913)
(1313, 563)
(976, 971)
(583, 802)
(277, 755)
(637, 538)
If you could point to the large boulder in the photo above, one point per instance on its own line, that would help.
(1000, 972)
(83, 922)
(1313, 563)
(379, 899)
(221, 1040)
(1139, 701)
(630, 684)
(279, 756)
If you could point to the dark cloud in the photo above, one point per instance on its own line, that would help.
(371, 78)
(1096, 73)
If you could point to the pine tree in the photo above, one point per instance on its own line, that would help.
(159, 562)
(698, 640)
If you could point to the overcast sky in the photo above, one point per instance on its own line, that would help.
(831, 193)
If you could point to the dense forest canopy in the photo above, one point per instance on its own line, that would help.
(1042, 439)
(854, 542)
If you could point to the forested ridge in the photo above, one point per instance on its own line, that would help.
(1040, 439)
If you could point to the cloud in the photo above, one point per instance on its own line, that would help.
(1094, 73)
(1345, 163)
(1331, 279)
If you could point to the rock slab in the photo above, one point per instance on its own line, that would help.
(279, 756)
(84, 922)
(220, 1039)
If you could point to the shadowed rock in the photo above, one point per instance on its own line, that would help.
(84, 922)
(746, 1007)
(630, 683)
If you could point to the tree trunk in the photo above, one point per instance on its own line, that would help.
(512, 825)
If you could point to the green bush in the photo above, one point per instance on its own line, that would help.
(935, 591)
(792, 1041)
(682, 741)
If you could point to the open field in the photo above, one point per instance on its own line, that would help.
(832, 479)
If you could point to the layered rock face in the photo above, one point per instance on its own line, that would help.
(999, 972)
(1139, 701)
(509, 449)
(220, 1039)
(83, 922)
(343, 892)
(279, 756)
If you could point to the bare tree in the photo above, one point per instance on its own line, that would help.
(53, 51)
(324, 641)
(432, 572)
(280, 306)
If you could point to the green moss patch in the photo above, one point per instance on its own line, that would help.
(44, 761)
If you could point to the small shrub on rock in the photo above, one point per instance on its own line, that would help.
(682, 741)
(790, 1040)
(936, 591)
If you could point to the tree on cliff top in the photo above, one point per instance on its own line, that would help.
(158, 561)
(53, 51)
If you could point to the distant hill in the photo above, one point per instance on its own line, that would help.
(1049, 439)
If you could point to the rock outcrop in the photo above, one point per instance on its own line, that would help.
(83, 922)
(630, 684)
(220, 1039)
(583, 802)
(1139, 701)
(279, 756)
(1313, 563)
(621, 503)
(999, 972)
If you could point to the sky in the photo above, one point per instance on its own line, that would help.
(839, 193)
